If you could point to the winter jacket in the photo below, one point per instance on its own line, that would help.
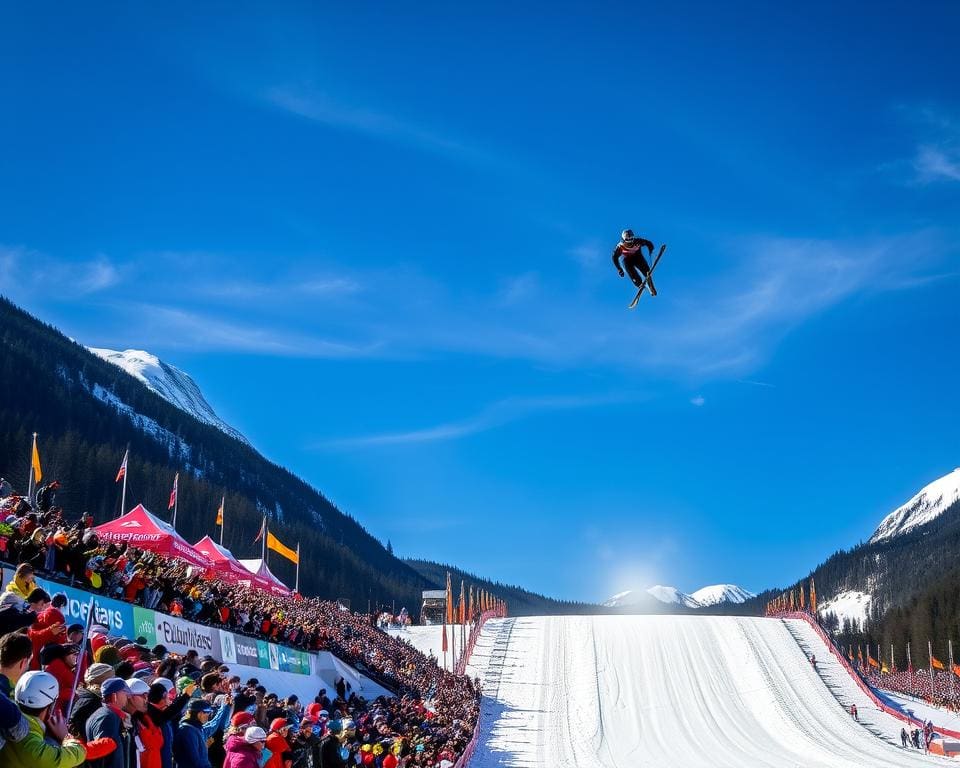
(240, 754)
(147, 742)
(14, 725)
(167, 720)
(106, 722)
(59, 669)
(42, 632)
(190, 746)
(86, 703)
(279, 749)
(16, 593)
(330, 753)
(37, 751)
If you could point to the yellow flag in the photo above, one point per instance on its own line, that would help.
(274, 543)
(37, 472)
(220, 512)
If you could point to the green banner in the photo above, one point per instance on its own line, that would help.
(143, 625)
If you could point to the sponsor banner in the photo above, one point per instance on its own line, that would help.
(181, 636)
(144, 625)
(228, 648)
(294, 661)
(263, 654)
(274, 652)
(247, 652)
(115, 615)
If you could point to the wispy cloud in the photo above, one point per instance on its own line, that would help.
(36, 270)
(937, 163)
(520, 288)
(315, 105)
(175, 327)
(698, 401)
(936, 157)
(97, 275)
(492, 417)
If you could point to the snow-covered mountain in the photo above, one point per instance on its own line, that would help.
(170, 383)
(927, 505)
(719, 593)
(852, 604)
(619, 600)
(672, 595)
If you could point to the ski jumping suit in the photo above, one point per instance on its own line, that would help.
(633, 260)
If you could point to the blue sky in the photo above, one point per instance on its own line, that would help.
(379, 240)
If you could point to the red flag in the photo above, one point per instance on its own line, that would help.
(173, 494)
(444, 649)
(263, 528)
(123, 467)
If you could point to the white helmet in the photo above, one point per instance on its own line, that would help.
(253, 734)
(627, 235)
(37, 690)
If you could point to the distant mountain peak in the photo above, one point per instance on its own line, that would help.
(721, 593)
(172, 384)
(707, 596)
(927, 505)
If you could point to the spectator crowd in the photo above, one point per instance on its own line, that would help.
(140, 707)
(944, 692)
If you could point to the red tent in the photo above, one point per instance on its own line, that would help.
(142, 530)
(226, 565)
(264, 578)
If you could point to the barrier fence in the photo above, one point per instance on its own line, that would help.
(848, 667)
(461, 666)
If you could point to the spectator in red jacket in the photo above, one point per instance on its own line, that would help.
(281, 756)
(61, 662)
(49, 626)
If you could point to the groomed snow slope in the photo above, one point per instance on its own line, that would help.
(428, 639)
(670, 691)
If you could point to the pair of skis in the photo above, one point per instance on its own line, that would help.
(646, 279)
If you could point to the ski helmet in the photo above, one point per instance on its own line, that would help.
(37, 690)
(626, 235)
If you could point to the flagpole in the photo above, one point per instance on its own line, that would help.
(910, 667)
(126, 471)
(952, 673)
(296, 584)
(263, 544)
(33, 449)
(176, 503)
(222, 500)
(123, 495)
(930, 658)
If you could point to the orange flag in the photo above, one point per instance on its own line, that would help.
(449, 601)
(936, 663)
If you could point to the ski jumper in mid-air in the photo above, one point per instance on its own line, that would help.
(631, 248)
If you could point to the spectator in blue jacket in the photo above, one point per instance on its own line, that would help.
(190, 741)
(111, 721)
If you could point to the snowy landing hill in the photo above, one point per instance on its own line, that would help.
(172, 384)
(931, 502)
(702, 598)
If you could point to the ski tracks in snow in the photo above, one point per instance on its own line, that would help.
(668, 691)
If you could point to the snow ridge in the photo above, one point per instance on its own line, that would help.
(926, 506)
(172, 384)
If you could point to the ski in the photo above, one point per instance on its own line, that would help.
(643, 285)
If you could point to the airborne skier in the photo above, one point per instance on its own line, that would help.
(631, 248)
